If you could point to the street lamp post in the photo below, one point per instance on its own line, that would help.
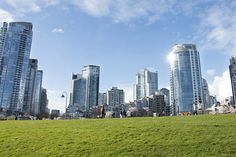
(64, 95)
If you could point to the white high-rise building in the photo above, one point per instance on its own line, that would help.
(146, 84)
(186, 89)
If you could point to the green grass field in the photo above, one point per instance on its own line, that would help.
(211, 135)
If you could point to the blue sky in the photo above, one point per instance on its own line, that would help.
(124, 36)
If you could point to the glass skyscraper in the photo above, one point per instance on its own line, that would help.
(3, 32)
(146, 84)
(37, 93)
(85, 89)
(206, 94)
(91, 73)
(15, 45)
(30, 86)
(44, 101)
(77, 99)
(186, 88)
(232, 71)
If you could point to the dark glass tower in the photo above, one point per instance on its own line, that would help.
(232, 71)
(30, 86)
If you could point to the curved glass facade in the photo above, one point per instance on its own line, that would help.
(85, 89)
(186, 80)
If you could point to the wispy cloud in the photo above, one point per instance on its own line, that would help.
(51, 2)
(221, 86)
(218, 28)
(57, 30)
(5, 16)
(23, 6)
(217, 33)
(211, 72)
(125, 10)
(94, 7)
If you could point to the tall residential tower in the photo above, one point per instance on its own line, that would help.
(232, 71)
(115, 98)
(85, 89)
(146, 84)
(186, 88)
(30, 86)
(91, 73)
(15, 45)
(206, 94)
(77, 99)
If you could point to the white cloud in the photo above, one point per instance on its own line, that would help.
(51, 2)
(211, 72)
(24, 6)
(94, 7)
(126, 10)
(55, 100)
(218, 28)
(57, 30)
(5, 16)
(21, 7)
(221, 86)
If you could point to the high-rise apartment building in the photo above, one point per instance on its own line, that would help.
(212, 100)
(37, 93)
(206, 94)
(77, 100)
(91, 73)
(102, 99)
(43, 102)
(186, 88)
(156, 103)
(85, 89)
(3, 32)
(146, 84)
(15, 45)
(232, 71)
(30, 86)
(115, 98)
(166, 93)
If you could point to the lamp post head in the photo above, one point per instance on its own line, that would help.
(62, 96)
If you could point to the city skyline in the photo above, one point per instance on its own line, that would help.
(121, 39)
(20, 79)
